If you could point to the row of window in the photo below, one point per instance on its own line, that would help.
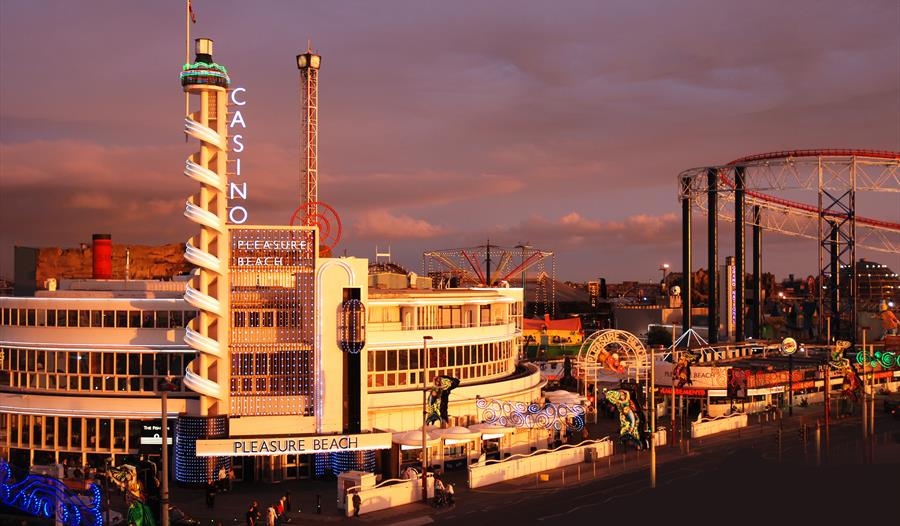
(443, 316)
(90, 371)
(136, 319)
(392, 369)
(64, 433)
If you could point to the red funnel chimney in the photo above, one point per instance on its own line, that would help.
(102, 251)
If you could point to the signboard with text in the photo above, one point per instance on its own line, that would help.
(298, 445)
(272, 334)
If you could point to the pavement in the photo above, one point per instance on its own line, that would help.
(610, 480)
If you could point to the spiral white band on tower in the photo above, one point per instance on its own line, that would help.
(211, 266)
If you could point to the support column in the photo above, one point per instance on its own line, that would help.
(686, 284)
(739, 252)
(757, 276)
(712, 218)
(835, 284)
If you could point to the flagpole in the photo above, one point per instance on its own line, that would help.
(187, 52)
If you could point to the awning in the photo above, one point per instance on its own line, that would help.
(489, 431)
(457, 435)
(414, 438)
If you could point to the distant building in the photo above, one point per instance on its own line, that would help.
(567, 331)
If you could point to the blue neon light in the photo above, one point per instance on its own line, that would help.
(47, 497)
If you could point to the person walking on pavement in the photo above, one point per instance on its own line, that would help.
(210, 495)
(357, 502)
(450, 493)
(889, 321)
(253, 514)
(271, 516)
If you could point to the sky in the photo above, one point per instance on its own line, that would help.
(442, 124)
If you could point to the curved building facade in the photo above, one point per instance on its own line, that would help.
(81, 368)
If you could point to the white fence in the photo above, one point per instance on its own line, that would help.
(388, 494)
(494, 471)
(718, 424)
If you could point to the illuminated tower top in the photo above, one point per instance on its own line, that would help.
(204, 70)
(309, 64)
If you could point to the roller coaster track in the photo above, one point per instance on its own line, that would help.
(876, 171)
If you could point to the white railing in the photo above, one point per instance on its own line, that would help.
(515, 466)
(710, 426)
(388, 494)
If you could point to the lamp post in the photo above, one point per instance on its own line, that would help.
(164, 387)
(653, 419)
(665, 270)
(424, 416)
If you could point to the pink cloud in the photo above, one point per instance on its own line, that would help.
(385, 225)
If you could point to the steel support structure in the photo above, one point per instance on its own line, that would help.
(835, 176)
(309, 141)
(739, 334)
(756, 285)
(837, 223)
(712, 230)
(686, 264)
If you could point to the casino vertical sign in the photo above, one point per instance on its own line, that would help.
(237, 186)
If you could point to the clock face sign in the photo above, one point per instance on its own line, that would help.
(789, 346)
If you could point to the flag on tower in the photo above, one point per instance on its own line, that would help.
(191, 9)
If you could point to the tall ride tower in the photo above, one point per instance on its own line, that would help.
(309, 63)
(209, 251)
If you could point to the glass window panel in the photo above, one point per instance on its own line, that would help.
(91, 432)
(379, 361)
(134, 318)
(176, 319)
(104, 432)
(109, 318)
(391, 361)
(96, 318)
(162, 319)
(121, 318)
(119, 433)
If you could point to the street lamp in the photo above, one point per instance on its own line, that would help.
(424, 362)
(665, 270)
(165, 386)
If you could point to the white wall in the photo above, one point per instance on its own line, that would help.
(517, 466)
(391, 493)
(717, 425)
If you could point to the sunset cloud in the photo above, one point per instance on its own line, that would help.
(382, 224)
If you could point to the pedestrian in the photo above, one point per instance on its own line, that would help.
(450, 493)
(253, 514)
(357, 502)
(889, 321)
(210, 495)
(279, 509)
(230, 481)
(271, 516)
(223, 476)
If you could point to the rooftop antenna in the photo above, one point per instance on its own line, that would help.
(379, 255)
